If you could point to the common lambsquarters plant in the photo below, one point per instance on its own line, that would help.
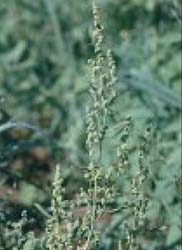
(102, 189)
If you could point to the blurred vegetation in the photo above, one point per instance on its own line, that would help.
(44, 49)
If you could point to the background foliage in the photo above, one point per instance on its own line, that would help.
(44, 48)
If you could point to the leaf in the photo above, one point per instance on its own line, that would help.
(14, 55)
(29, 194)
